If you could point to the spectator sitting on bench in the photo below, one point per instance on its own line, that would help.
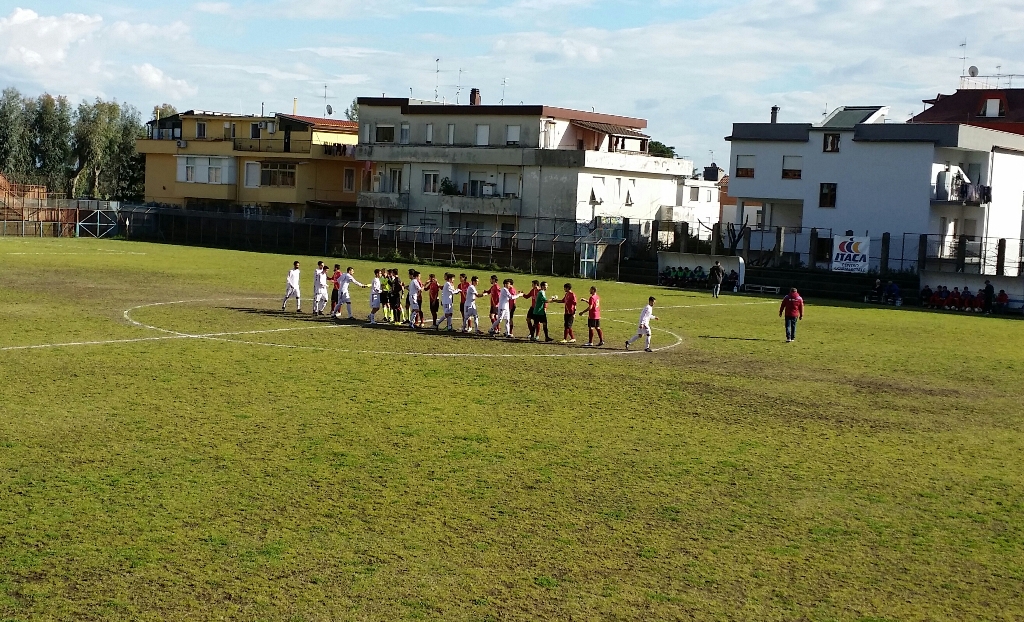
(700, 279)
(926, 296)
(966, 300)
(893, 295)
(979, 301)
(936, 302)
(1002, 301)
(953, 300)
(731, 281)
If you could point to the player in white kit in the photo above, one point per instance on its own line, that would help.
(375, 291)
(292, 288)
(469, 312)
(319, 288)
(415, 287)
(448, 299)
(643, 329)
(344, 298)
(505, 298)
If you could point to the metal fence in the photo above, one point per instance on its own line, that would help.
(587, 251)
(55, 217)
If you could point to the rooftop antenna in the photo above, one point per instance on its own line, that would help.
(437, 76)
(712, 153)
(963, 58)
(458, 87)
(410, 92)
(504, 83)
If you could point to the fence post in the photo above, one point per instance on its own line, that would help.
(812, 249)
(883, 262)
(1001, 257)
(655, 239)
(677, 243)
(961, 253)
(745, 233)
(716, 237)
(922, 253)
(780, 245)
(684, 238)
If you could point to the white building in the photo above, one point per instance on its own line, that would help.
(509, 168)
(854, 171)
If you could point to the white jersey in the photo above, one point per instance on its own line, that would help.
(320, 279)
(646, 315)
(415, 287)
(504, 298)
(293, 278)
(471, 295)
(345, 280)
(448, 294)
(375, 286)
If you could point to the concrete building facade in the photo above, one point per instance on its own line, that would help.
(509, 168)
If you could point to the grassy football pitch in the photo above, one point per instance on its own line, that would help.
(195, 454)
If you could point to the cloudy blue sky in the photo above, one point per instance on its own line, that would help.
(690, 67)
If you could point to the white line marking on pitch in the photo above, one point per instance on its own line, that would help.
(221, 336)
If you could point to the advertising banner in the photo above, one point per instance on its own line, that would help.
(850, 254)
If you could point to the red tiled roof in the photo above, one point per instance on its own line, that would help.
(332, 124)
(966, 106)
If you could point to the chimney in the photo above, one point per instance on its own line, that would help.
(775, 114)
(295, 105)
(474, 97)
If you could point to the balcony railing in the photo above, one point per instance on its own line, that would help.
(273, 145)
(968, 194)
(383, 200)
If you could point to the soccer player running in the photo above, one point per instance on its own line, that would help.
(540, 313)
(292, 288)
(375, 292)
(344, 297)
(469, 312)
(793, 307)
(433, 289)
(643, 329)
(569, 300)
(505, 299)
(448, 299)
(593, 313)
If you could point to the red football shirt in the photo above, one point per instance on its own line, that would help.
(463, 286)
(594, 313)
(570, 303)
(495, 293)
(433, 287)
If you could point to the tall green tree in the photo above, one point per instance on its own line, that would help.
(15, 141)
(107, 165)
(661, 150)
(51, 131)
(352, 112)
(163, 111)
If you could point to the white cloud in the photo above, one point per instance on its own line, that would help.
(163, 84)
(29, 40)
(342, 52)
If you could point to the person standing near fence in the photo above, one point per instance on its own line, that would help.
(292, 288)
(715, 276)
(793, 308)
(989, 294)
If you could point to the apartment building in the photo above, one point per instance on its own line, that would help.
(286, 165)
(511, 168)
(856, 171)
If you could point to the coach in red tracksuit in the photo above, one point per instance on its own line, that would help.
(793, 307)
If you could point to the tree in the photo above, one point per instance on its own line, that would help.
(163, 111)
(15, 141)
(51, 134)
(352, 112)
(661, 150)
(107, 165)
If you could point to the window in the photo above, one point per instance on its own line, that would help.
(827, 196)
(792, 167)
(993, 108)
(831, 143)
(350, 180)
(745, 166)
(483, 135)
(512, 134)
(403, 136)
(277, 174)
(254, 131)
(708, 199)
(694, 194)
(510, 185)
(430, 134)
(234, 129)
(385, 134)
(430, 182)
(214, 172)
(200, 129)
(365, 134)
(451, 133)
(252, 174)
(190, 169)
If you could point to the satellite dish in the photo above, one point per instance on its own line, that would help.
(330, 110)
(973, 71)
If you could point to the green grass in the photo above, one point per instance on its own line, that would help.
(872, 470)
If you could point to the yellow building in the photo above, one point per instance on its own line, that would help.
(284, 165)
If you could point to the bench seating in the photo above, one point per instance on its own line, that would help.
(751, 288)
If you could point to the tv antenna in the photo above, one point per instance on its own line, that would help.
(327, 107)
(963, 58)
(458, 87)
(437, 76)
(504, 83)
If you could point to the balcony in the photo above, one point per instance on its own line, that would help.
(383, 200)
(499, 206)
(273, 145)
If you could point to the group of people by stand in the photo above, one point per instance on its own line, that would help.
(715, 278)
(985, 300)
